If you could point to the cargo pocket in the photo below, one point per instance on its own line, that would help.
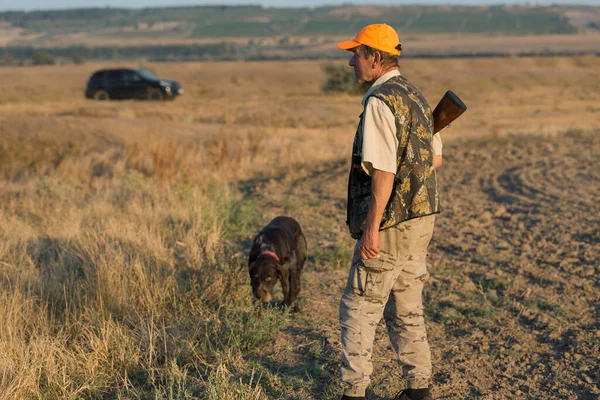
(374, 265)
(378, 285)
(379, 277)
(378, 265)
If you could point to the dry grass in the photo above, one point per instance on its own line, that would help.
(122, 224)
(504, 95)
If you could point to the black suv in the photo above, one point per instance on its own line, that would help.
(124, 83)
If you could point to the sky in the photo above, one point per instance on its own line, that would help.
(28, 5)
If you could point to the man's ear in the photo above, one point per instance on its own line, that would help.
(376, 58)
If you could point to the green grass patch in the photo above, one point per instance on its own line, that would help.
(242, 218)
(444, 312)
(446, 270)
(545, 305)
(335, 256)
(480, 259)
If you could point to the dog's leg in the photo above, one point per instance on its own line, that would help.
(294, 289)
(285, 286)
(293, 292)
(299, 264)
(297, 285)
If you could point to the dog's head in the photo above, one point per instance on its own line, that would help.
(264, 273)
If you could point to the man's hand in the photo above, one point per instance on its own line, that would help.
(369, 245)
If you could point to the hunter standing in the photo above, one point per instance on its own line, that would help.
(392, 199)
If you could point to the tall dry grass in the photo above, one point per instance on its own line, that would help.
(117, 274)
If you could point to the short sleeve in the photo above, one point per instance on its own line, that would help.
(437, 144)
(380, 143)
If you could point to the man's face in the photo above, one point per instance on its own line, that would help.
(363, 66)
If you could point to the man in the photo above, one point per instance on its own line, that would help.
(392, 199)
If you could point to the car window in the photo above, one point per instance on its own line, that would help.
(130, 76)
(98, 75)
(146, 74)
(114, 75)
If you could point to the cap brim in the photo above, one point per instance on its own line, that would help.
(348, 45)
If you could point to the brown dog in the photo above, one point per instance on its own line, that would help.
(278, 254)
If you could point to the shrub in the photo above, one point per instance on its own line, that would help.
(340, 78)
(43, 58)
(8, 59)
(77, 59)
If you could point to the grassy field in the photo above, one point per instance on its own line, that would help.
(124, 230)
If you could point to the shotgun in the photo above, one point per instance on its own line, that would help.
(447, 110)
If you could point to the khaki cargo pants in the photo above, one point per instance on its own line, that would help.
(390, 286)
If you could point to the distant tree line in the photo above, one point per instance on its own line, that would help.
(212, 51)
(110, 17)
(225, 51)
(24, 19)
(109, 12)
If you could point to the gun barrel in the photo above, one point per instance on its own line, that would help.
(447, 110)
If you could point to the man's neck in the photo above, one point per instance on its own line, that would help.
(382, 73)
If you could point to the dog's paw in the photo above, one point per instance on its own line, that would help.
(297, 307)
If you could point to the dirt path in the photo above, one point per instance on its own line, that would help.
(513, 306)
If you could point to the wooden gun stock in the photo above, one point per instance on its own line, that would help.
(447, 110)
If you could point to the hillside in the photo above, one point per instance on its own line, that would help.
(256, 21)
(254, 32)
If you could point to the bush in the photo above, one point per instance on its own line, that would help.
(340, 78)
(78, 59)
(43, 58)
(8, 59)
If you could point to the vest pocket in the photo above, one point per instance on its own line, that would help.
(358, 208)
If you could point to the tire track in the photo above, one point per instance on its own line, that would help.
(521, 229)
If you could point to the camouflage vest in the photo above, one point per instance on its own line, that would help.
(415, 192)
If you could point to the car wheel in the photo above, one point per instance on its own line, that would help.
(156, 95)
(101, 95)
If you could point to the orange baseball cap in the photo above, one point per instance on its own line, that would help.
(378, 36)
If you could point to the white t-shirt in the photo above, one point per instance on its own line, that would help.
(380, 143)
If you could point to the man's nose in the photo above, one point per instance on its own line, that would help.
(352, 61)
